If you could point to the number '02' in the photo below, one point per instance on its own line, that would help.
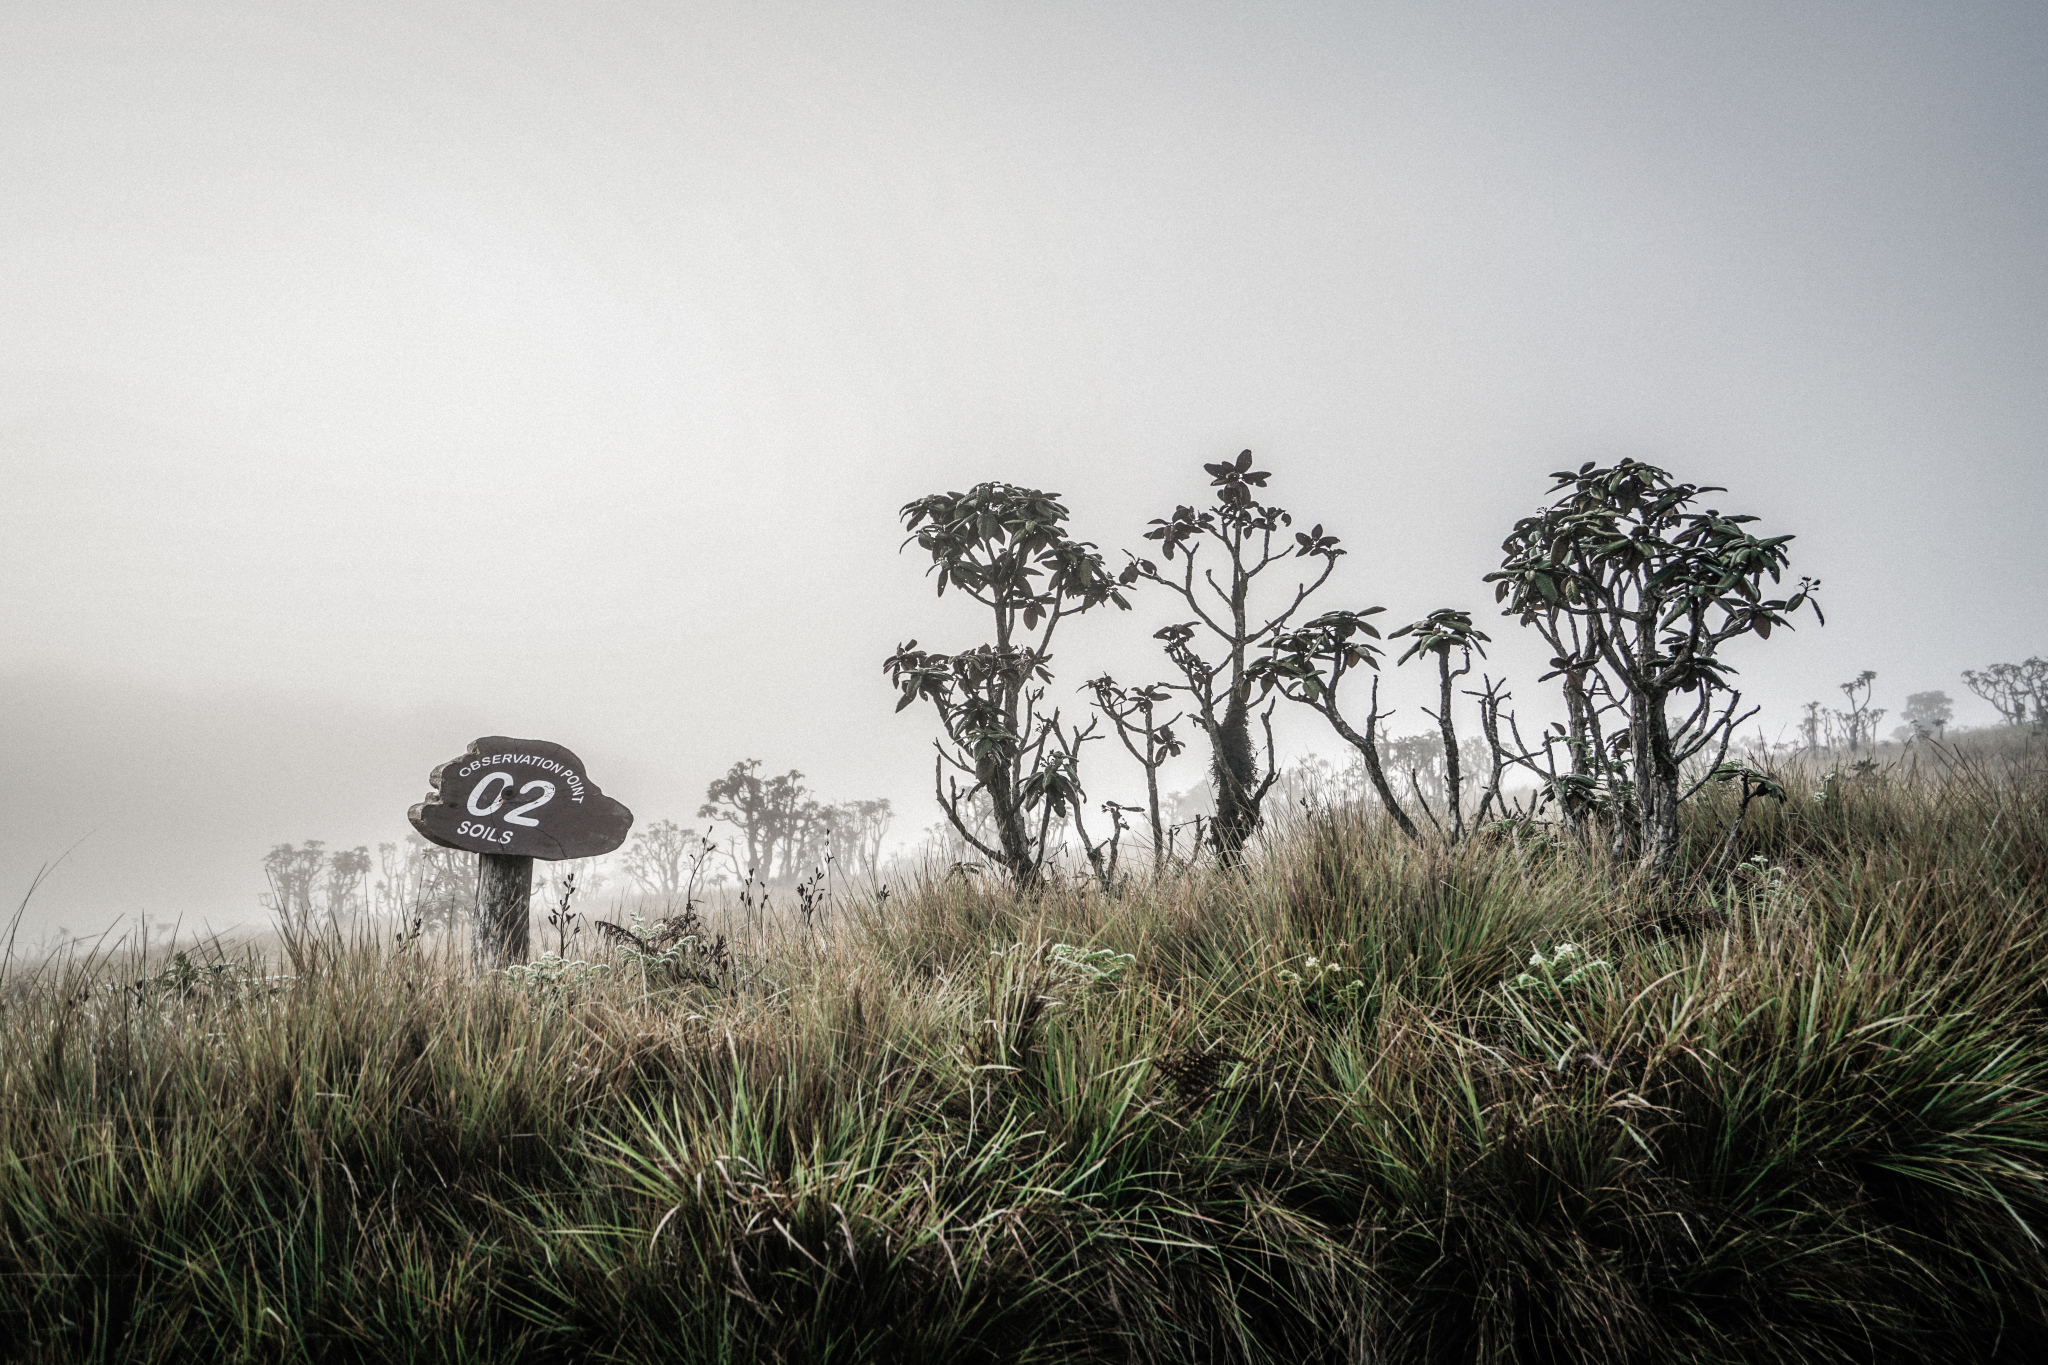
(517, 815)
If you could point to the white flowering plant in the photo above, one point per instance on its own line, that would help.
(1567, 969)
(549, 973)
(1323, 982)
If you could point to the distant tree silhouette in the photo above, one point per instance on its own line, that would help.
(292, 873)
(855, 830)
(424, 884)
(1860, 720)
(775, 817)
(1929, 712)
(2013, 689)
(661, 856)
(296, 876)
(1812, 726)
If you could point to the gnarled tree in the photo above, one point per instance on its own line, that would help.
(1309, 665)
(2012, 688)
(775, 816)
(1238, 535)
(1652, 589)
(1007, 548)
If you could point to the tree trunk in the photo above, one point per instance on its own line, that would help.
(1235, 772)
(1584, 740)
(1452, 795)
(1152, 801)
(504, 887)
(1656, 787)
(1013, 833)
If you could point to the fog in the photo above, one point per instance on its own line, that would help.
(385, 375)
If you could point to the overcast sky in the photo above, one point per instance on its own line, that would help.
(381, 375)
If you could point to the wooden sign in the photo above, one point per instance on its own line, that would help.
(520, 798)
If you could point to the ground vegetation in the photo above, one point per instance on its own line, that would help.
(1358, 1097)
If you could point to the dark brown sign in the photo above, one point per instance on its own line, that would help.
(524, 798)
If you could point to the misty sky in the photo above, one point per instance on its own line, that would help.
(381, 375)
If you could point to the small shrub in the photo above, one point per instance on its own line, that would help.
(1095, 966)
(672, 951)
(550, 975)
(194, 983)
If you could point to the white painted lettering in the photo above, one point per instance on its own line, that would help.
(478, 793)
(518, 816)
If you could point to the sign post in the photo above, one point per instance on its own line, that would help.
(510, 801)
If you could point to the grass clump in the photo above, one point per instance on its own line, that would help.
(1358, 1101)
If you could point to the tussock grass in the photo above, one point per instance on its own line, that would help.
(1793, 1110)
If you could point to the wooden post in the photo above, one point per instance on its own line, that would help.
(504, 885)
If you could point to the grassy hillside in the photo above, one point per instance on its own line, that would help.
(1325, 1109)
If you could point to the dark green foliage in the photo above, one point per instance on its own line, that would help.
(1637, 590)
(1008, 549)
(1239, 534)
(1793, 1111)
